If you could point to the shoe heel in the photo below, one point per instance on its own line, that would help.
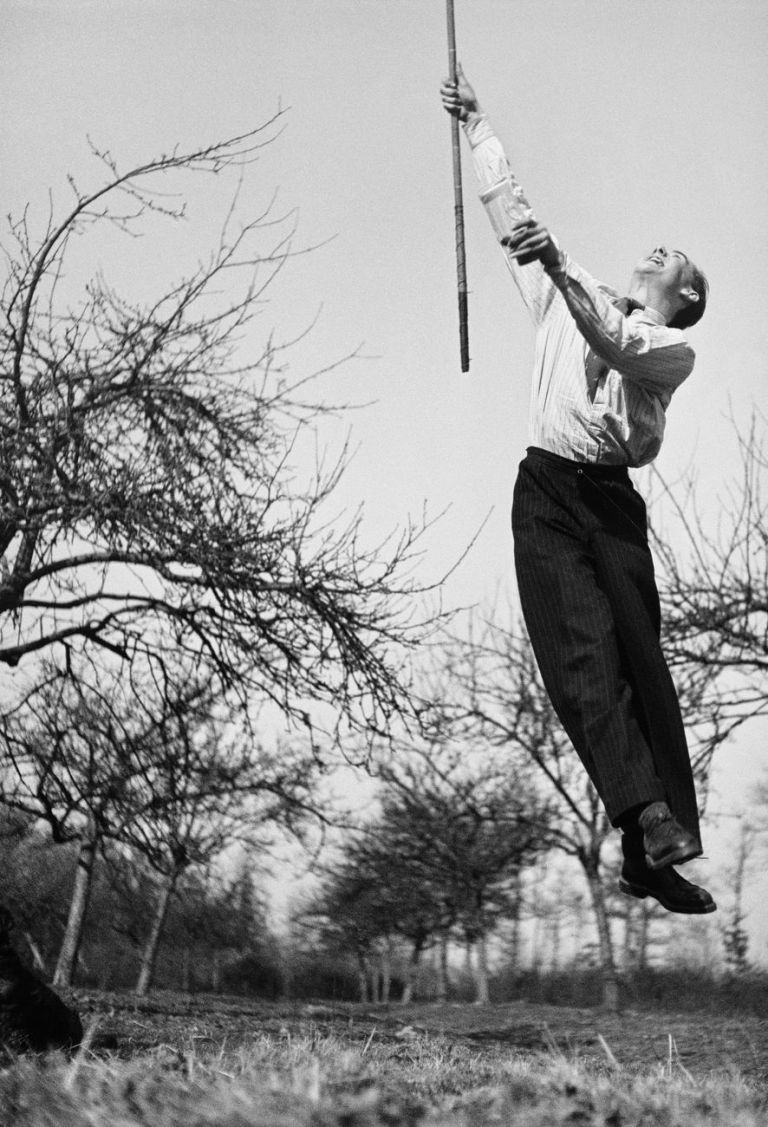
(632, 889)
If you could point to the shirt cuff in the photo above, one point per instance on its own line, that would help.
(477, 128)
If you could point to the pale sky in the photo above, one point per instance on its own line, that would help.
(628, 124)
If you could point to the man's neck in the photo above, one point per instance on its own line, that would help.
(652, 299)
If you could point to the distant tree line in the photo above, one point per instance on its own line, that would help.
(216, 934)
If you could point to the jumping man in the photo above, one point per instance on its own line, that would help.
(604, 374)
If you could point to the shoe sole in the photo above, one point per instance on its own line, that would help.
(676, 856)
(640, 892)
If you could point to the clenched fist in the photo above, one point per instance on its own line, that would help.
(458, 97)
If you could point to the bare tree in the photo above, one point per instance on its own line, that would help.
(442, 859)
(497, 695)
(157, 760)
(462, 825)
(147, 496)
(351, 913)
(494, 693)
(735, 937)
(380, 893)
(69, 751)
(208, 783)
(713, 583)
(34, 884)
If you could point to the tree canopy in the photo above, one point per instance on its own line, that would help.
(148, 496)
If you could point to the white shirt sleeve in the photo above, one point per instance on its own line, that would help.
(655, 356)
(491, 168)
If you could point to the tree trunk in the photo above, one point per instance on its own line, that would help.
(482, 997)
(515, 939)
(591, 865)
(362, 979)
(186, 963)
(385, 963)
(78, 907)
(413, 968)
(442, 968)
(515, 919)
(554, 962)
(152, 946)
(535, 960)
(642, 943)
(579, 924)
(635, 936)
(629, 952)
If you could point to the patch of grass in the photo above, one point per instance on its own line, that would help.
(315, 1080)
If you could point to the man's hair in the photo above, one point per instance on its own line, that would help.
(694, 310)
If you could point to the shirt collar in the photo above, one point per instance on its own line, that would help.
(649, 314)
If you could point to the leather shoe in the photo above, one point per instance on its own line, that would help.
(672, 891)
(664, 839)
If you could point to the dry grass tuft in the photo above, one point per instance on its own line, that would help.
(313, 1080)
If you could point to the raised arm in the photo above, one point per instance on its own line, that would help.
(501, 194)
(656, 357)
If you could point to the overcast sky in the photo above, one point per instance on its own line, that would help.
(629, 125)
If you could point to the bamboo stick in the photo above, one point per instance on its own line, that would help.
(458, 198)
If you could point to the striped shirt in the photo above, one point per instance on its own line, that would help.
(601, 381)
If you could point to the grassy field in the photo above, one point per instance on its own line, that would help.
(177, 1062)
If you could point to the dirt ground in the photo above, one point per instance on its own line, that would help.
(700, 1043)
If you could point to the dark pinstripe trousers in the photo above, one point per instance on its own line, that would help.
(591, 607)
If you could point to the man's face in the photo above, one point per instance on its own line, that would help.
(668, 268)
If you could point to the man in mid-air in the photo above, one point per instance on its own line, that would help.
(604, 373)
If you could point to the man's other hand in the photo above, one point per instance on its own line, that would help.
(530, 241)
(458, 97)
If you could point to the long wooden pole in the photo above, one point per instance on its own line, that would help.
(458, 200)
